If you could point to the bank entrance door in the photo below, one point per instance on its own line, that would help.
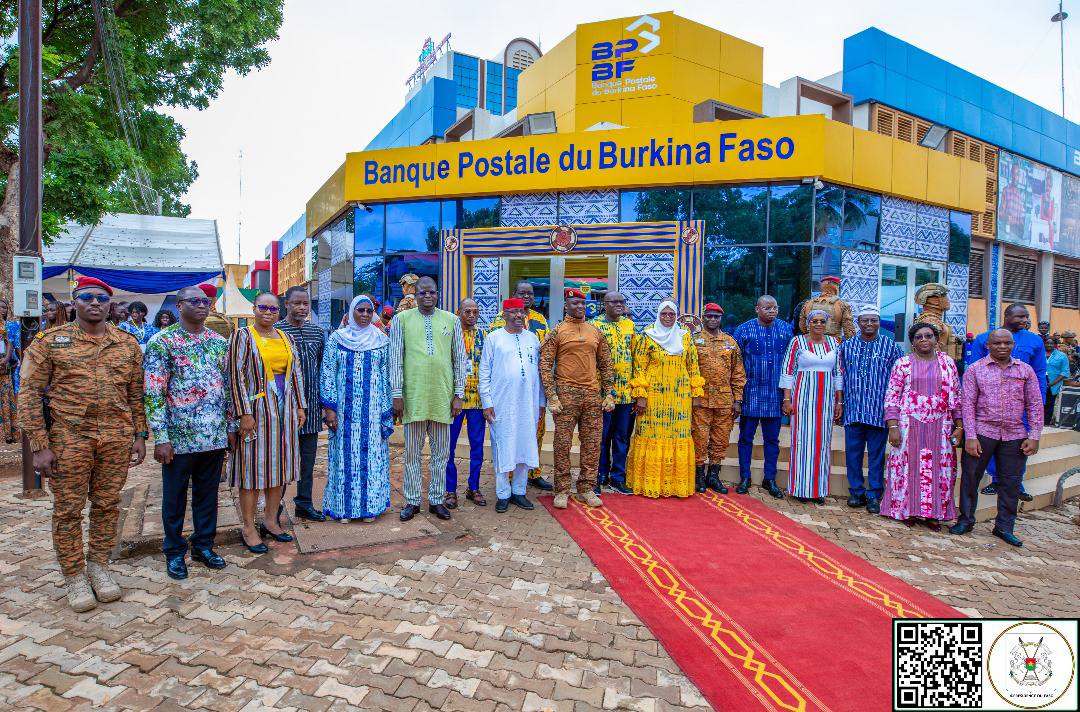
(592, 274)
(900, 279)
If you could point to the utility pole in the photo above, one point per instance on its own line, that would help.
(1060, 18)
(30, 159)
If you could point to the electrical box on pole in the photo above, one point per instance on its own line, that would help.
(26, 286)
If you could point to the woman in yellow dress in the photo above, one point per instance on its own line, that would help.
(665, 384)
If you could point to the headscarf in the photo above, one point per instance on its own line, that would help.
(818, 311)
(357, 338)
(669, 338)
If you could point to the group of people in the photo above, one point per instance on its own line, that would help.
(652, 411)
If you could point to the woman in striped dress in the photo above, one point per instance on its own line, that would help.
(813, 396)
(268, 396)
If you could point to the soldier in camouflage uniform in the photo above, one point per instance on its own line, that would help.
(93, 373)
(720, 363)
(575, 367)
(841, 324)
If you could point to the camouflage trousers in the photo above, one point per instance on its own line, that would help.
(581, 408)
(711, 429)
(94, 467)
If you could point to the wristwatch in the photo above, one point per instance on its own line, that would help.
(143, 434)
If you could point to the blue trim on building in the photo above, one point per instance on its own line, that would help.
(429, 113)
(880, 67)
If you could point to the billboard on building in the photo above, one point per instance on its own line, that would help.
(1068, 242)
(1029, 202)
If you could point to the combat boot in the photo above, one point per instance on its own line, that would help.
(79, 595)
(713, 480)
(699, 479)
(105, 587)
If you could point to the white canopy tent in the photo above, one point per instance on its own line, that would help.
(142, 257)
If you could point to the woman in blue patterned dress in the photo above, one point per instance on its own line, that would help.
(357, 410)
(813, 396)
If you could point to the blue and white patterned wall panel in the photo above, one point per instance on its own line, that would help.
(899, 226)
(324, 299)
(588, 207)
(957, 281)
(528, 209)
(932, 232)
(860, 282)
(645, 280)
(995, 285)
(485, 288)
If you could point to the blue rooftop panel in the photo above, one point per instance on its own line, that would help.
(998, 100)
(926, 68)
(1027, 114)
(896, 89)
(926, 101)
(1026, 141)
(996, 129)
(1054, 126)
(867, 47)
(1052, 152)
(963, 116)
(964, 85)
(896, 52)
(865, 82)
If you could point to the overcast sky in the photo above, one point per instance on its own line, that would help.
(338, 73)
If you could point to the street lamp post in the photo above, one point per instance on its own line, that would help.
(1059, 17)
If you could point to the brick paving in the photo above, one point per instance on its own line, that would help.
(503, 613)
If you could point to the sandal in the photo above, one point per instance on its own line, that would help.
(476, 498)
(450, 501)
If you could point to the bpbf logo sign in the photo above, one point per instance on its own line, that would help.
(607, 57)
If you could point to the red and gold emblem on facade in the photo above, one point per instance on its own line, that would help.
(691, 322)
(563, 238)
(450, 244)
(690, 235)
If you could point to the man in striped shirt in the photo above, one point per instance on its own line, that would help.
(763, 341)
(310, 343)
(867, 361)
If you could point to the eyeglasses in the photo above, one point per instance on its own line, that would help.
(267, 308)
(925, 337)
(99, 298)
(197, 302)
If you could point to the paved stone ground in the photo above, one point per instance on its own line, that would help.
(507, 614)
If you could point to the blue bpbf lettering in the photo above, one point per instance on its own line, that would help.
(604, 52)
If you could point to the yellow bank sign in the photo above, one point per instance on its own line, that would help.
(750, 150)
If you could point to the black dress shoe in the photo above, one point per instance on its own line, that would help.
(209, 557)
(1025, 497)
(771, 488)
(541, 484)
(282, 537)
(1007, 537)
(856, 500)
(961, 528)
(713, 482)
(304, 511)
(743, 486)
(176, 567)
(439, 511)
(408, 512)
(522, 501)
(990, 489)
(873, 505)
(501, 505)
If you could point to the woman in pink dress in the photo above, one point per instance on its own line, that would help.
(922, 410)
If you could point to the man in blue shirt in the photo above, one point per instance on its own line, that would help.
(1027, 347)
(867, 362)
(763, 341)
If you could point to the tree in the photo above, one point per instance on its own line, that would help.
(128, 60)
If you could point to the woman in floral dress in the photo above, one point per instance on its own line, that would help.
(922, 410)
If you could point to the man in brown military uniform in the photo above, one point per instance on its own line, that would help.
(721, 366)
(408, 290)
(93, 373)
(934, 299)
(575, 366)
(841, 325)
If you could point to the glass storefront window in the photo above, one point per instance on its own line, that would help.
(734, 279)
(862, 213)
(959, 237)
(412, 227)
(368, 276)
(466, 80)
(368, 229)
(827, 261)
(470, 213)
(733, 215)
(789, 213)
(654, 205)
(422, 264)
(788, 278)
(829, 215)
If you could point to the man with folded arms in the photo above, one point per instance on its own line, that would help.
(999, 391)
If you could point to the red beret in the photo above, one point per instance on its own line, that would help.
(84, 282)
(387, 310)
(513, 304)
(209, 290)
(831, 279)
(712, 306)
(572, 293)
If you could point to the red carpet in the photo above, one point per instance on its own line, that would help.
(758, 611)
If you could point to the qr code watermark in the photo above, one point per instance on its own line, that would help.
(937, 665)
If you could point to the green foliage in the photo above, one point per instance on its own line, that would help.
(172, 53)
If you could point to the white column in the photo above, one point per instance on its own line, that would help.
(1044, 289)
